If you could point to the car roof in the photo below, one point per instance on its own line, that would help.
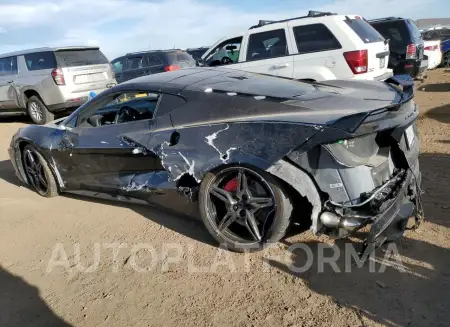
(206, 80)
(198, 48)
(154, 51)
(45, 49)
(387, 20)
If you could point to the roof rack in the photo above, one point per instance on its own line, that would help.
(147, 51)
(383, 19)
(311, 14)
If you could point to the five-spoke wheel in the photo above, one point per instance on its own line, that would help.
(244, 208)
(38, 172)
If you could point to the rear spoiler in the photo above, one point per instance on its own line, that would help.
(404, 84)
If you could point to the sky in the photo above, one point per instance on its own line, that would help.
(121, 26)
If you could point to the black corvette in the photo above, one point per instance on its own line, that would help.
(254, 153)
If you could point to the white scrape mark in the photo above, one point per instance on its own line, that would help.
(104, 142)
(259, 97)
(191, 166)
(232, 94)
(210, 140)
(164, 155)
(208, 90)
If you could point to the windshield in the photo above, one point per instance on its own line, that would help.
(395, 31)
(71, 58)
(363, 29)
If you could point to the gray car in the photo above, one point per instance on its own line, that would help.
(40, 82)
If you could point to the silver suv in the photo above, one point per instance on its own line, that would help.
(43, 81)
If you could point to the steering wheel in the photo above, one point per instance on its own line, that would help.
(126, 114)
(227, 61)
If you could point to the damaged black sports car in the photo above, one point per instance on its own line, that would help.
(254, 153)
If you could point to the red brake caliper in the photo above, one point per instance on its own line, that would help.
(231, 186)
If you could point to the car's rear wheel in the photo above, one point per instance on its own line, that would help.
(39, 175)
(446, 59)
(244, 208)
(38, 111)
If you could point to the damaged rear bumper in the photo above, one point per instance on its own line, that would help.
(392, 220)
(391, 224)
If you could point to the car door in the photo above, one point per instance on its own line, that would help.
(135, 66)
(268, 52)
(8, 92)
(106, 158)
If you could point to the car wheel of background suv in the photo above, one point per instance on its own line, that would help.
(38, 111)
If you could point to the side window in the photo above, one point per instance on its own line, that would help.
(154, 61)
(266, 45)
(118, 65)
(314, 38)
(8, 66)
(225, 53)
(40, 60)
(119, 108)
(136, 63)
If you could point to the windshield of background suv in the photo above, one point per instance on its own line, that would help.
(364, 30)
(395, 31)
(71, 58)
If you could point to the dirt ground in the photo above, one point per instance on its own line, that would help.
(141, 287)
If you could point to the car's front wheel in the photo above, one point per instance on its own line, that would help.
(38, 172)
(38, 111)
(244, 208)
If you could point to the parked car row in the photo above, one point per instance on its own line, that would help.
(438, 36)
(317, 47)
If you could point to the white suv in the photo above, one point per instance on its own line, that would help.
(320, 46)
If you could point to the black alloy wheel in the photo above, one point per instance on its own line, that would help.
(38, 172)
(243, 208)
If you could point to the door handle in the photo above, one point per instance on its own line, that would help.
(280, 66)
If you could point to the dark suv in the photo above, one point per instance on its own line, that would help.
(197, 53)
(138, 64)
(405, 45)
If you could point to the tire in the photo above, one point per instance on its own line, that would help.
(51, 187)
(38, 111)
(276, 227)
(446, 59)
